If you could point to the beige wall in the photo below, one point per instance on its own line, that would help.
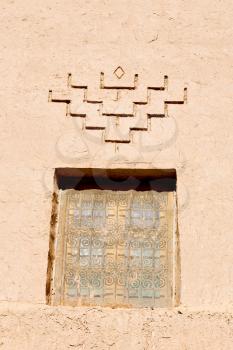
(191, 42)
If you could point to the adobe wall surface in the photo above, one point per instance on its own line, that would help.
(191, 42)
(43, 327)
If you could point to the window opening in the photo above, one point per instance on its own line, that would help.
(115, 248)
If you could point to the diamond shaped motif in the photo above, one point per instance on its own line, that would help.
(119, 72)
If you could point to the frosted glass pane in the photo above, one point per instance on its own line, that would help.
(115, 248)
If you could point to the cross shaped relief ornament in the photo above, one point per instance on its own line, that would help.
(116, 107)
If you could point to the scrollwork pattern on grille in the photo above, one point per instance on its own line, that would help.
(117, 248)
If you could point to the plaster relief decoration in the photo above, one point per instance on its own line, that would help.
(115, 106)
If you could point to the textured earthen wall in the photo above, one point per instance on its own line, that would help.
(191, 42)
(30, 327)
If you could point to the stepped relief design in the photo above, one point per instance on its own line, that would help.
(116, 106)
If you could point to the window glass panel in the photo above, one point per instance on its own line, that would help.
(115, 248)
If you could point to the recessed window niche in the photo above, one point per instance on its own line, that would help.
(113, 238)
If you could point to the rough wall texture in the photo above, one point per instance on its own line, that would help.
(191, 42)
(32, 327)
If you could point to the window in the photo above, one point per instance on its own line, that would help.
(115, 248)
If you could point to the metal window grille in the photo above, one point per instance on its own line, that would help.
(115, 248)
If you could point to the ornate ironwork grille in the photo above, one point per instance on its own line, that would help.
(114, 248)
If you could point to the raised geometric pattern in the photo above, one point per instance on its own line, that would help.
(115, 107)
